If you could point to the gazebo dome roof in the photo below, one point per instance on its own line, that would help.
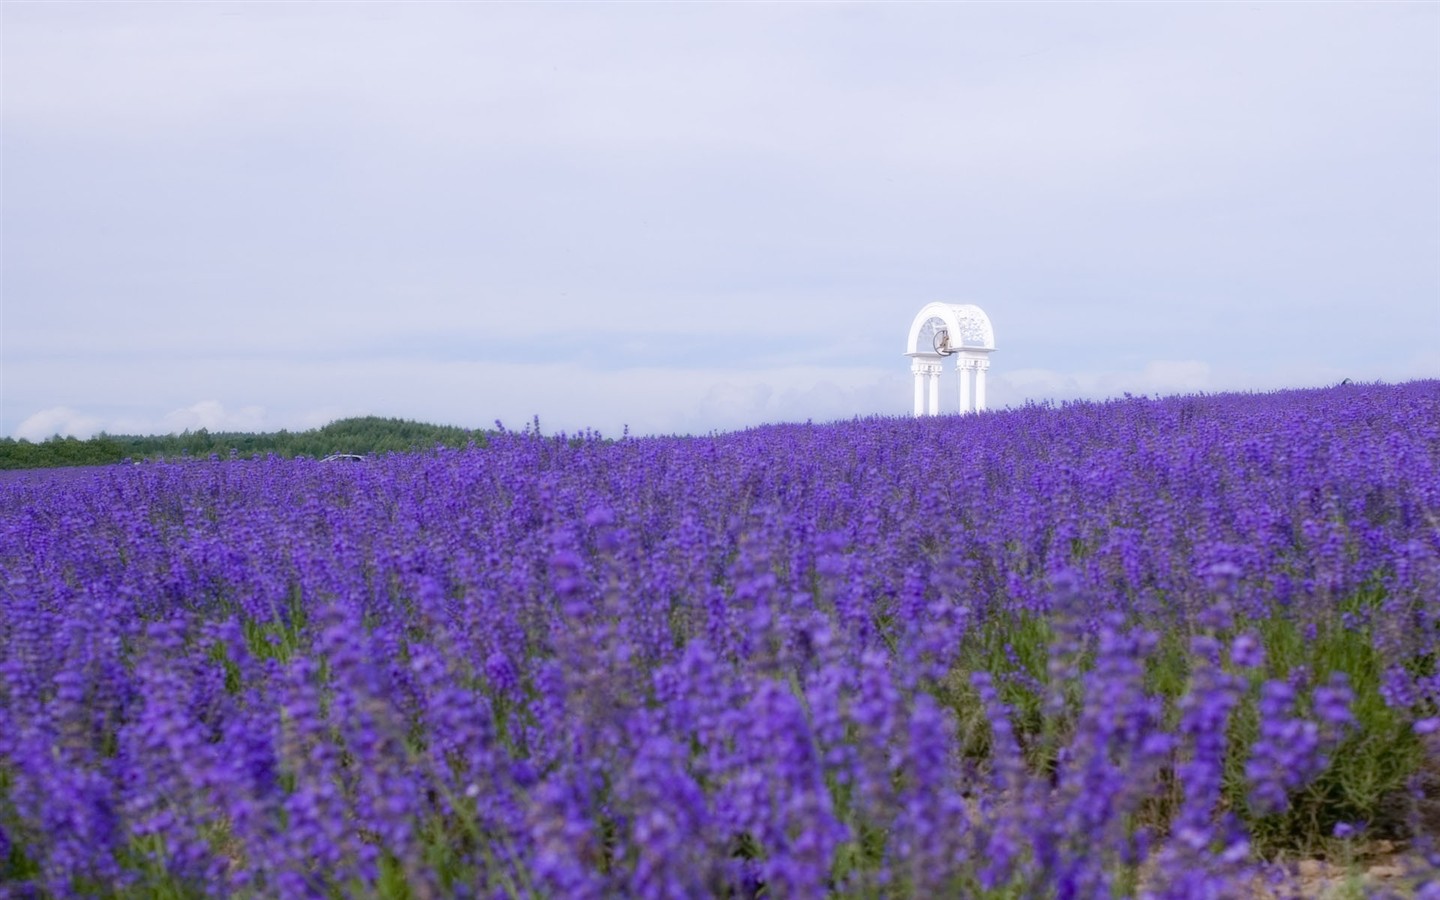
(968, 326)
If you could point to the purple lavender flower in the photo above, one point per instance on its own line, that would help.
(1246, 651)
(1286, 754)
(1333, 702)
(1397, 688)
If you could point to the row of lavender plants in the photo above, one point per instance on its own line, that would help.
(1137, 648)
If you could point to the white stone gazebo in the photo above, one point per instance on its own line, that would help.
(950, 329)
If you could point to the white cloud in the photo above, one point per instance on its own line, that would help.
(1015, 387)
(569, 397)
(61, 420)
(213, 416)
(728, 404)
(1168, 377)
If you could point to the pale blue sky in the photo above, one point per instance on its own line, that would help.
(685, 217)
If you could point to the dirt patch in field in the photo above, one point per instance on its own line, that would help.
(1375, 869)
(1378, 869)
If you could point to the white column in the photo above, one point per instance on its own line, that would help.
(980, 386)
(919, 391)
(963, 367)
(934, 390)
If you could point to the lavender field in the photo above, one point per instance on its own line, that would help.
(1138, 648)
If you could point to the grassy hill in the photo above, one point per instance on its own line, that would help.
(361, 435)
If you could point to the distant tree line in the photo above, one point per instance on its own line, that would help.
(362, 436)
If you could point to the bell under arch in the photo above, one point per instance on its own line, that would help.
(961, 330)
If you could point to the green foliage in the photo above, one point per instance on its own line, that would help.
(361, 436)
(281, 636)
(60, 451)
(1366, 774)
(1369, 770)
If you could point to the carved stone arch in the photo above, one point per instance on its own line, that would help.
(939, 330)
